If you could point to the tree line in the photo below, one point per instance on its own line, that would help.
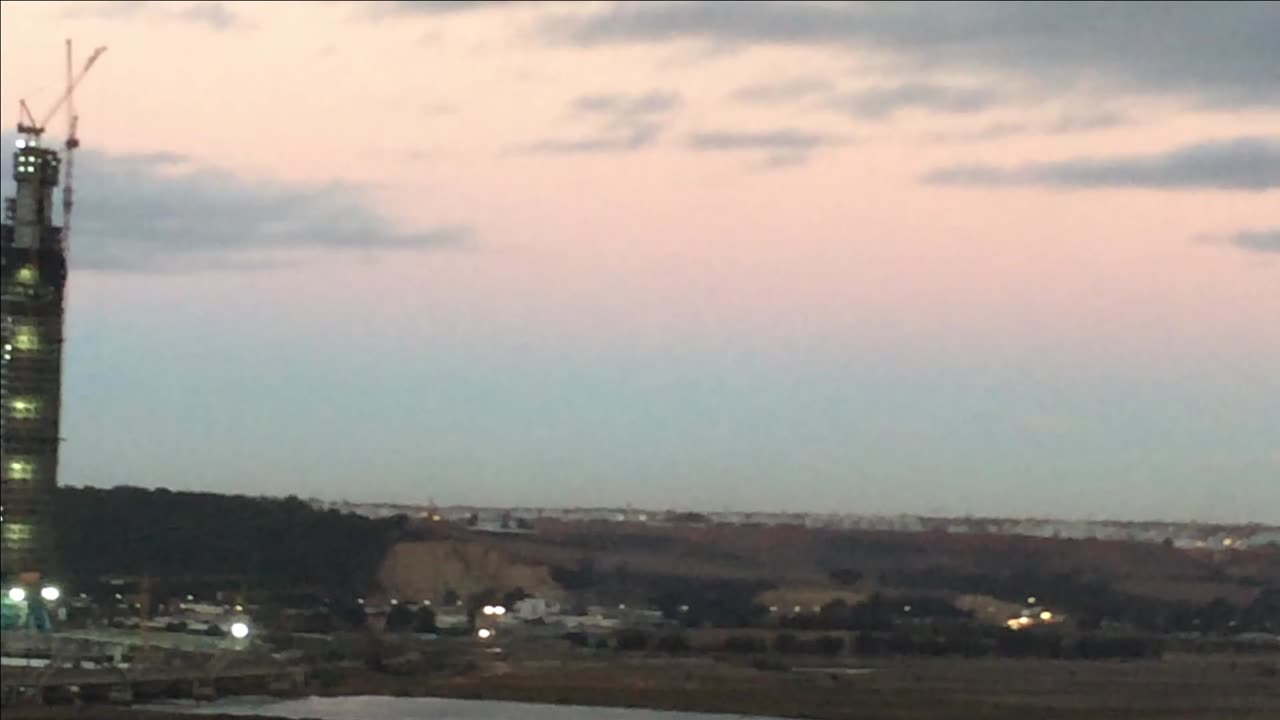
(274, 543)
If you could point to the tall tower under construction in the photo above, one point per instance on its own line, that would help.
(33, 276)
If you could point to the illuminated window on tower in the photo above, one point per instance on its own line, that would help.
(17, 532)
(21, 470)
(25, 339)
(24, 408)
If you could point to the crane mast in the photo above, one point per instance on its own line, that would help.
(73, 141)
(68, 193)
(32, 130)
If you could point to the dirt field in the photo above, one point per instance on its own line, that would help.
(1178, 688)
(1205, 689)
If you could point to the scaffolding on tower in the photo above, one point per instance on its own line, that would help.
(33, 270)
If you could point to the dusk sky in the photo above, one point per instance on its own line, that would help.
(988, 258)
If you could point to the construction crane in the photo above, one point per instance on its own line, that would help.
(33, 130)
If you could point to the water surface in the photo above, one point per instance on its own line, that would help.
(373, 707)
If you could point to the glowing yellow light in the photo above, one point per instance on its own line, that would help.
(26, 275)
(17, 531)
(21, 470)
(1046, 616)
(24, 408)
(25, 339)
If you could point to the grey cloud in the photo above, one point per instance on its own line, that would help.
(437, 7)
(159, 212)
(884, 101)
(627, 106)
(1264, 241)
(1222, 54)
(1251, 164)
(1067, 123)
(1085, 121)
(120, 9)
(212, 14)
(383, 10)
(637, 138)
(973, 175)
(799, 88)
(785, 139)
(623, 123)
(785, 147)
(994, 131)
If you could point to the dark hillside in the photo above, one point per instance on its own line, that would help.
(274, 543)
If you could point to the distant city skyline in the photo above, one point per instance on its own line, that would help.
(990, 259)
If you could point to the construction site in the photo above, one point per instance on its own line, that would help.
(39, 656)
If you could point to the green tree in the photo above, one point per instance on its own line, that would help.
(424, 620)
(400, 619)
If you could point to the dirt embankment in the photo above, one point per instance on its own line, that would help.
(430, 569)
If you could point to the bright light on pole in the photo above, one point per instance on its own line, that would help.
(484, 633)
(50, 593)
(499, 610)
(487, 610)
(17, 594)
(239, 630)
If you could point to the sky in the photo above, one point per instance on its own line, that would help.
(1017, 259)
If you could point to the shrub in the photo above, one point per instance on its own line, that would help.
(830, 644)
(632, 640)
(673, 644)
(744, 644)
(769, 662)
(787, 644)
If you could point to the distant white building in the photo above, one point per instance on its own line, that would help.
(534, 608)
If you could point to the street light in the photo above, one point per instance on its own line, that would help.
(239, 630)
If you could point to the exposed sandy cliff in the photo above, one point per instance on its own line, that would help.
(428, 570)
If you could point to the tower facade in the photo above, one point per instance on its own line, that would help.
(33, 275)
